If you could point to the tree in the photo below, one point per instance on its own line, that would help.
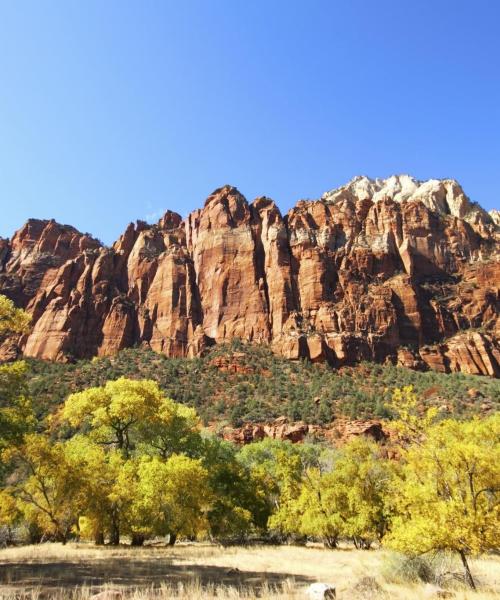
(412, 418)
(12, 319)
(172, 429)
(129, 431)
(128, 413)
(449, 495)
(309, 508)
(343, 497)
(280, 467)
(115, 412)
(172, 497)
(15, 407)
(360, 481)
(105, 480)
(9, 513)
(48, 490)
(16, 414)
(239, 497)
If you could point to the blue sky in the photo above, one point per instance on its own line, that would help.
(112, 111)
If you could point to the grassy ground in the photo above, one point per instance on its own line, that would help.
(199, 571)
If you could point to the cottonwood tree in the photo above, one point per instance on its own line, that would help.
(172, 497)
(449, 495)
(360, 481)
(346, 500)
(47, 487)
(122, 424)
(282, 467)
(127, 414)
(172, 429)
(114, 413)
(106, 491)
(15, 406)
(239, 504)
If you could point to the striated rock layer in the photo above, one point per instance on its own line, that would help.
(393, 269)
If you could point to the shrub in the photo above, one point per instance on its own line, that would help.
(427, 568)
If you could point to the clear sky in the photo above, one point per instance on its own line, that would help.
(112, 111)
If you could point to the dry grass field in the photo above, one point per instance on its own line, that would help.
(198, 571)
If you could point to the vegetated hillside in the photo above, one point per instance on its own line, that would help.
(376, 270)
(239, 383)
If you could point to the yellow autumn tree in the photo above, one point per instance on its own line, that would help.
(449, 495)
(104, 492)
(172, 497)
(48, 489)
(12, 319)
(128, 413)
(15, 406)
(347, 500)
(360, 480)
(413, 419)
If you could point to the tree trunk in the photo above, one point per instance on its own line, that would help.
(99, 538)
(114, 534)
(137, 539)
(468, 575)
(331, 541)
(61, 536)
(34, 533)
(172, 538)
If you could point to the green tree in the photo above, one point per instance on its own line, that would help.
(239, 504)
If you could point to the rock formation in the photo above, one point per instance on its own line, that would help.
(386, 270)
(338, 433)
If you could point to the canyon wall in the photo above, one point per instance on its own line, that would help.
(385, 270)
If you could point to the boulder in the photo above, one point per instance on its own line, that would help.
(319, 591)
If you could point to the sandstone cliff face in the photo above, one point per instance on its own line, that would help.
(378, 270)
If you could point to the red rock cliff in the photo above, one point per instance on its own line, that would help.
(378, 270)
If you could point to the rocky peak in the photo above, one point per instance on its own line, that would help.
(49, 236)
(40, 247)
(495, 216)
(226, 206)
(170, 220)
(443, 196)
